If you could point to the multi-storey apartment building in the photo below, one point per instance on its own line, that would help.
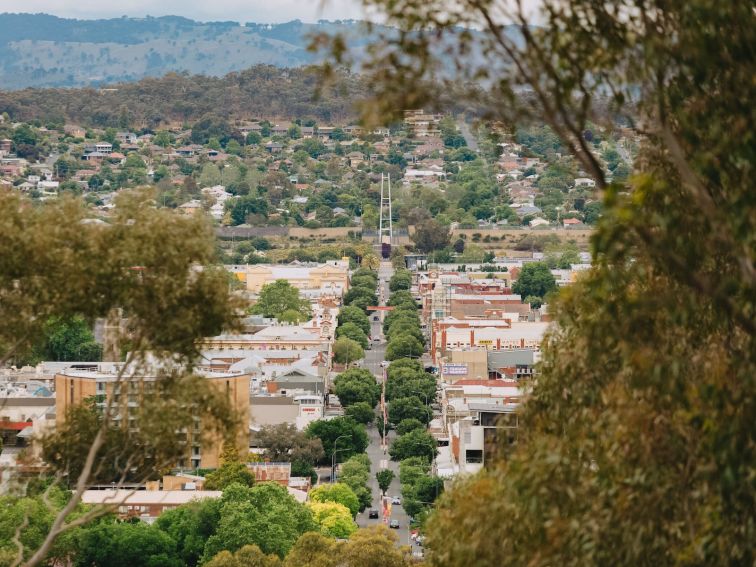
(100, 382)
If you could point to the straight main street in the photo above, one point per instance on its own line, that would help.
(373, 359)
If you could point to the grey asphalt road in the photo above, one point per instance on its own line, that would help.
(378, 459)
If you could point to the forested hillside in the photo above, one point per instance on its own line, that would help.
(39, 50)
(261, 91)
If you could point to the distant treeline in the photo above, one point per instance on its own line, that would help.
(262, 91)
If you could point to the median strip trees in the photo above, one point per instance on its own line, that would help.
(410, 392)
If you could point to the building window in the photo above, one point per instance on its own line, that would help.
(474, 456)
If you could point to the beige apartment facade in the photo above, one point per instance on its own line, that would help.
(324, 276)
(75, 387)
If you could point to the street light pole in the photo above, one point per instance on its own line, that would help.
(427, 405)
(333, 454)
(422, 394)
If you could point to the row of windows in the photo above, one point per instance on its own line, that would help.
(505, 346)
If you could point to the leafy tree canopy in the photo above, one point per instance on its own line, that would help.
(264, 515)
(333, 519)
(416, 443)
(279, 297)
(535, 279)
(232, 470)
(346, 351)
(124, 544)
(351, 314)
(247, 556)
(357, 385)
(401, 280)
(354, 332)
(190, 526)
(355, 438)
(409, 424)
(404, 346)
(384, 478)
(361, 412)
(339, 493)
(284, 442)
(400, 409)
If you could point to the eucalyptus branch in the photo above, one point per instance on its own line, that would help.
(17, 540)
(556, 117)
(700, 282)
(704, 199)
(581, 152)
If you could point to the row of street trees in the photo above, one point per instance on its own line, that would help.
(353, 332)
(410, 392)
(402, 325)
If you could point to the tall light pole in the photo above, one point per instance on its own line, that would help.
(427, 405)
(333, 454)
(422, 394)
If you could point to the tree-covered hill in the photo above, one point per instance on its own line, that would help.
(263, 91)
(40, 50)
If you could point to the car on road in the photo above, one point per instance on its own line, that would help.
(375, 318)
(396, 501)
(372, 513)
(394, 524)
(377, 339)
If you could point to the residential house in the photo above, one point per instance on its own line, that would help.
(573, 223)
(539, 221)
(355, 158)
(584, 182)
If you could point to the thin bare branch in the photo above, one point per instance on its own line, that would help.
(17, 540)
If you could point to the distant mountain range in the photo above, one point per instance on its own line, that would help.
(39, 50)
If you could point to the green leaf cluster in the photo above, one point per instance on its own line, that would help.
(355, 438)
(357, 385)
(281, 298)
(355, 473)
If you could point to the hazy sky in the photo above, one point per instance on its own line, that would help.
(234, 10)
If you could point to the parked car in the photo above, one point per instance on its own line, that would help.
(394, 524)
(372, 513)
(396, 501)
